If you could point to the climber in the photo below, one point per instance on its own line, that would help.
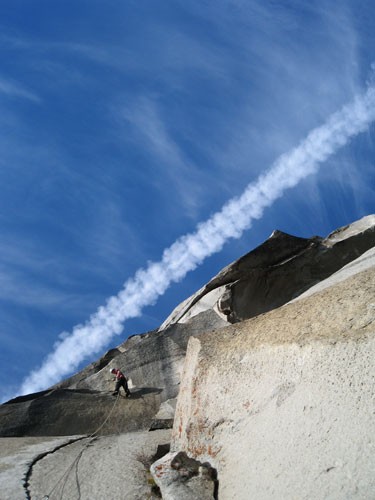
(120, 382)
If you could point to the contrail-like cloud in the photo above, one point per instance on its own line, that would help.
(190, 250)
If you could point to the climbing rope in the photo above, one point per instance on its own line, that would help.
(90, 438)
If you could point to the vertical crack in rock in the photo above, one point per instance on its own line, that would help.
(39, 457)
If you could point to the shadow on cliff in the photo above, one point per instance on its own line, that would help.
(78, 411)
(140, 393)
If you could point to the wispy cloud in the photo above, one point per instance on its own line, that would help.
(16, 289)
(190, 250)
(286, 87)
(174, 167)
(15, 89)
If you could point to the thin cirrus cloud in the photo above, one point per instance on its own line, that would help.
(261, 63)
(16, 90)
(190, 250)
(174, 167)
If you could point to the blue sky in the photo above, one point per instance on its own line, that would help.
(126, 124)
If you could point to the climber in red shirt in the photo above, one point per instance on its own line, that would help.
(120, 382)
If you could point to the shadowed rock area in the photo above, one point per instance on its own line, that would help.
(61, 412)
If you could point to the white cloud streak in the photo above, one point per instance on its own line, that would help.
(190, 250)
(13, 89)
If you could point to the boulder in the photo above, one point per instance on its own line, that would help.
(180, 477)
(165, 416)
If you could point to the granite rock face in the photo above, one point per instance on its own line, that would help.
(282, 405)
(62, 412)
(279, 270)
(153, 363)
(272, 363)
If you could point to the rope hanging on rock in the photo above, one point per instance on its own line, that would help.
(90, 438)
